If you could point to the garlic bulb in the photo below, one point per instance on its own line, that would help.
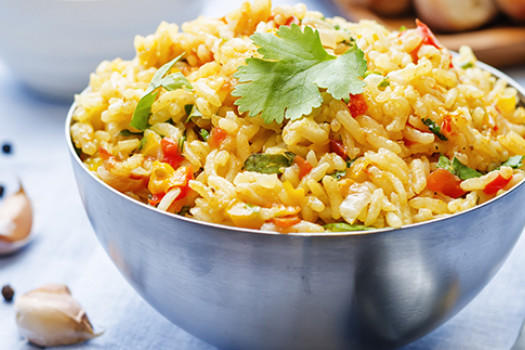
(16, 219)
(49, 316)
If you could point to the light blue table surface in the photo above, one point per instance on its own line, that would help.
(65, 249)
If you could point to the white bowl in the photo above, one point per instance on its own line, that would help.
(53, 45)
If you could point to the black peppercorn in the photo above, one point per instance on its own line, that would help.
(8, 293)
(7, 148)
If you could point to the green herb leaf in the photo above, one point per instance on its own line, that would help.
(403, 28)
(445, 163)
(126, 132)
(286, 82)
(513, 162)
(384, 83)
(432, 126)
(142, 143)
(346, 227)
(184, 210)
(143, 109)
(338, 174)
(463, 171)
(160, 73)
(175, 81)
(268, 163)
(457, 168)
(204, 134)
(191, 111)
(180, 143)
(467, 65)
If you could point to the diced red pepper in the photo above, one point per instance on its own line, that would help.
(104, 154)
(304, 166)
(171, 152)
(292, 19)
(338, 148)
(156, 198)
(428, 37)
(495, 185)
(286, 222)
(443, 181)
(181, 178)
(357, 105)
(446, 127)
(217, 137)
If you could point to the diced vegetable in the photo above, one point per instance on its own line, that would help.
(171, 151)
(515, 162)
(432, 126)
(428, 36)
(268, 163)
(357, 105)
(304, 166)
(191, 111)
(457, 168)
(495, 185)
(217, 137)
(156, 198)
(286, 222)
(443, 181)
(204, 134)
(346, 227)
(338, 148)
(446, 127)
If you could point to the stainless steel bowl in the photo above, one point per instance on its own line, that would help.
(246, 289)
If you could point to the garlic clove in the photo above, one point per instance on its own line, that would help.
(49, 316)
(16, 220)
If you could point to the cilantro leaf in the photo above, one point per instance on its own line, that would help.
(445, 163)
(346, 227)
(204, 134)
(268, 163)
(191, 111)
(513, 162)
(171, 82)
(142, 111)
(432, 126)
(285, 83)
(457, 168)
(463, 171)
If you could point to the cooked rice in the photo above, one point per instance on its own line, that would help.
(393, 151)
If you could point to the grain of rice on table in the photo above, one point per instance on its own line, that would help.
(431, 135)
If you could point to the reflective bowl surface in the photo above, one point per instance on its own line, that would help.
(245, 289)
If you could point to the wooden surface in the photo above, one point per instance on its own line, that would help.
(499, 45)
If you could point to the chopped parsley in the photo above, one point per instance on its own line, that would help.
(268, 163)
(191, 111)
(286, 82)
(514, 162)
(204, 134)
(457, 168)
(346, 227)
(170, 82)
(432, 126)
(467, 65)
(384, 83)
